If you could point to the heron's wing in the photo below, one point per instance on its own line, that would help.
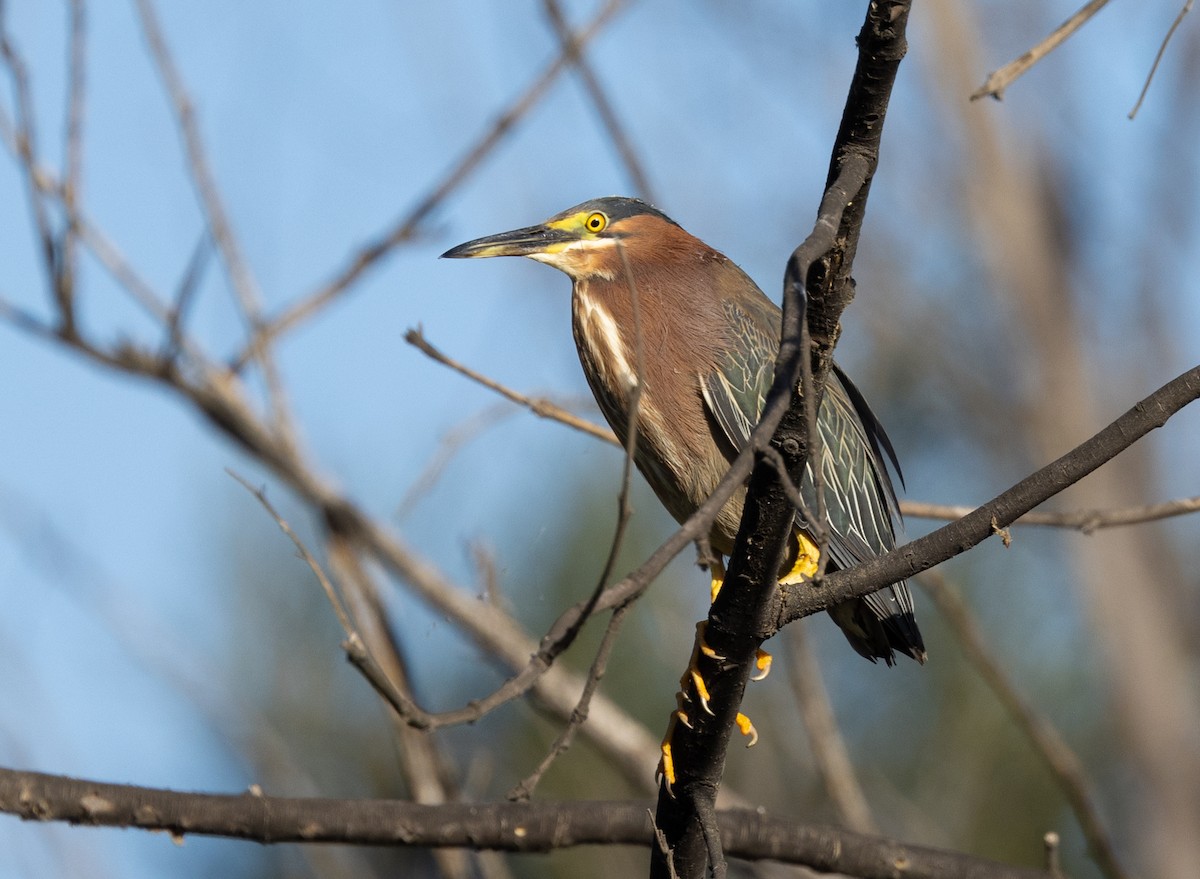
(860, 501)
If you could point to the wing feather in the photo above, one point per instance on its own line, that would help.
(860, 500)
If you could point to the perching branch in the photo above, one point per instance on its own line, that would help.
(820, 270)
(1000, 512)
(518, 827)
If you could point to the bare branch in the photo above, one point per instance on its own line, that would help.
(331, 594)
(539, 406)
(73, 148)
(521, 827)
(1047, 741)
(185, 296)
(242, 280)
(23, 135)
(604, 109)
(524, 790)
(240, 276)
(1086, 521)
(355, 646)
(959, 536)
(26, 322)
(92, 236)
(422, 762)
(1162, 49)
(1001, 79)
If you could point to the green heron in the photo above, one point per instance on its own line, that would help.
(656, 306)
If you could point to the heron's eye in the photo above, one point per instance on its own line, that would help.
(595, 222)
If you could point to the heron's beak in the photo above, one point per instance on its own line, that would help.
(530, 241)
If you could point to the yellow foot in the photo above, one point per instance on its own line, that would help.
(666, 765)
(762, 662)
(703, 645)
(666, 762)
(701, 690)
(717, 569)
(802, 564)
(747, 729)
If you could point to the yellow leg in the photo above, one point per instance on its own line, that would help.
(802, 567)
(666, 762)
(717, 568)
(701, 690)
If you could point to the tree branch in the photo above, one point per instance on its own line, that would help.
(1084, 520)
(518, 827)
(1001, 79)
(1000, 512)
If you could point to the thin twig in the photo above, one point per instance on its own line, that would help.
(73, 135)
(22, 132)
(449, 446)
(524, 790)
(663, 848)
(241, 279)
(484, 559)
(608, 116)
(624, 513)
(408, 226)
(1187, 7)
(105, 251)
(1001, 79)
(355, 647)
(240, 276)
(1052, 842)
(815, 527)
(815, 451)
(188, 285)
(335, 600)
(706, 813)
(1086, 521)
(26, 321)
(1062, 762)
(421, 760)
(539, 406)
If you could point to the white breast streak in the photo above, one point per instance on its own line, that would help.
(600, 330)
